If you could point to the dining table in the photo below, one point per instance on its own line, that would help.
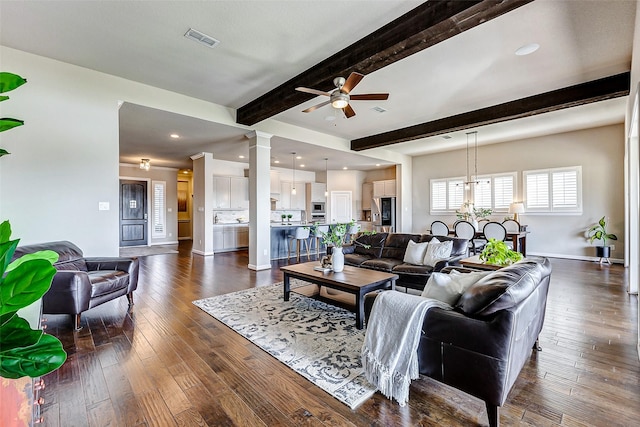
(517, 238)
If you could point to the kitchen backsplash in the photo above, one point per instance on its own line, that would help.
(296, 216)
(230, 217)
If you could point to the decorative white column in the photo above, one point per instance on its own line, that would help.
(259, 200)
(202, 204)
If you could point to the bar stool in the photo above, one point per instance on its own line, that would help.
(301, 234)
(321, 230)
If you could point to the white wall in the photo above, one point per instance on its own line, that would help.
(600, 152)
(170, 177)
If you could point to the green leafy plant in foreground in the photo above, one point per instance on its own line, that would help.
(599, 232)
(497, 252)
(24, 351)
(8, 82)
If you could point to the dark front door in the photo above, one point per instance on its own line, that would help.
(133, 213)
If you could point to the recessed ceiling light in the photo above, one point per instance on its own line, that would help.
(241, 156)
(377, 164)
(527, 49)
(276, 161)
(174, 135)
(298, 157)
(301, 166)
(201, 38)
(345, 168)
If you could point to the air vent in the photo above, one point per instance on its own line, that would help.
(201, 38)
(379, 109)
(446, 136)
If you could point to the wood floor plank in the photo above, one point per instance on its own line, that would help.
(167, 362)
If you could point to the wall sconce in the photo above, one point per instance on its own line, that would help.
(145, 164)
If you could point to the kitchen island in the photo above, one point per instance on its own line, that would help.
(280, 239)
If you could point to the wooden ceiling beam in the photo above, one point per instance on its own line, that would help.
(426, 25)
(572, 96)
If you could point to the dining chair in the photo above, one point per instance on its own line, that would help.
(512, 226)
(494, 230)
(466, 230)
(439, 228)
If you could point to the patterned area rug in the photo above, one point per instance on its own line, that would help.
(315, 339)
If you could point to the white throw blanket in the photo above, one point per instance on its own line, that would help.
(389, 353)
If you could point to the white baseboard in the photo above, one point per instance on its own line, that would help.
(197, 252)
(259, 267)
(175, 242)
(576, 257)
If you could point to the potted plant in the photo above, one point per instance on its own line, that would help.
(599, 232)
(283, 217)
(496, 252)
(24, 351)
(289, 216)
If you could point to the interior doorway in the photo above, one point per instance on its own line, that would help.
(133, 213)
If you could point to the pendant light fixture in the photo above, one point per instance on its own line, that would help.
(293, 184)
(326, 177)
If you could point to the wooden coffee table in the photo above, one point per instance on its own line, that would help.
(354, 280)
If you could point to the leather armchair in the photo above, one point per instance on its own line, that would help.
(83, 283)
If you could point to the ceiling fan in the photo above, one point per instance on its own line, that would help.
(340, 96)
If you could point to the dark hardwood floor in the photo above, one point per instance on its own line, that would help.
(168, 363)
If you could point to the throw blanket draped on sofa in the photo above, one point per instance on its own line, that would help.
(389, 353)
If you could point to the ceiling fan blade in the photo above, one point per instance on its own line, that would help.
(348, 111)
(312, 91)
(352, 81)
(315, 107)
(370, 97)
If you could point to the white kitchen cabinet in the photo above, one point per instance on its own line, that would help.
(242, 237)
(291, 201)
(218, 241)
(221, 186)
(239, 197)
(275, 182)
(386, 188)
(231, 192)
(316, 191)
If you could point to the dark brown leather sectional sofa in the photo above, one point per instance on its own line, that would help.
(385, 252)
(83, 283)
(481, 345)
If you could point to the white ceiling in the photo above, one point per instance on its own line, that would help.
(265, 43)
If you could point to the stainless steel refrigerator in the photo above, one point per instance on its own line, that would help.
(384, 214)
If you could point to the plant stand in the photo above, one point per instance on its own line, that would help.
(604, 252)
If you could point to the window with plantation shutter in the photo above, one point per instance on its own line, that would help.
(482, 193)
(495, 192)
(456, 194)
(159, 228)
(438, 195)
(447, 195)
(554, 190)
(503, 191)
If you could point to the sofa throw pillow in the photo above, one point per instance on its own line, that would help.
(437, 251)
(415, 252)
(449, 288)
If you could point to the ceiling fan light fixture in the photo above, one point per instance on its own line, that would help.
(339, 100)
